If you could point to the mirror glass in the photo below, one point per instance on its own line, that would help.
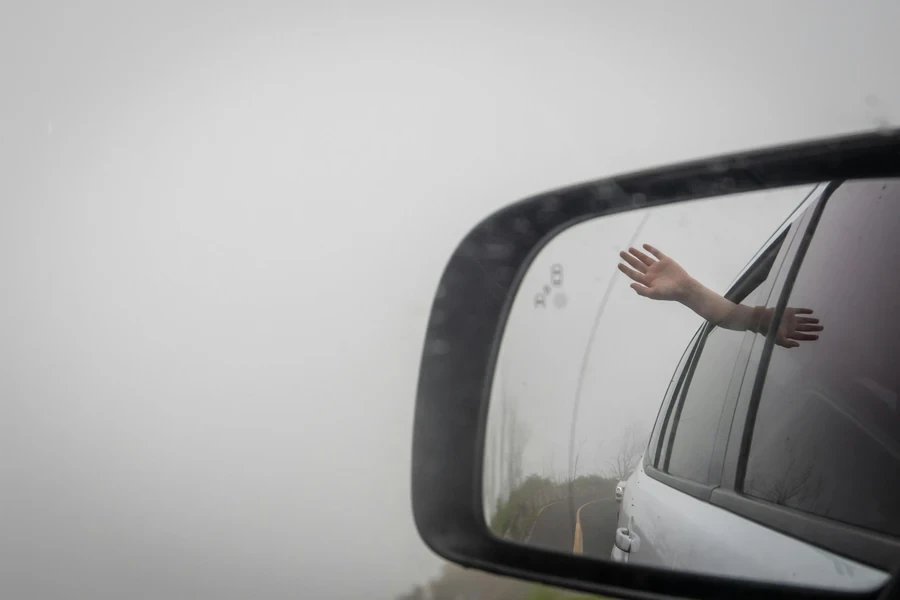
(709, 386)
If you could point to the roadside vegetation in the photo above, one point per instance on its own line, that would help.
(543, 592)
(515, 516)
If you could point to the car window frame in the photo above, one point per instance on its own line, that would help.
(863, 545)
(660, 427)
(660, 472)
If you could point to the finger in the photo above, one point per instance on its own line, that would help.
(803, 337)
(641, 256)
(642, 290)
(633, 275)
(803, 311)
(809, 320)
(791, 344)
(803, 327)
(654, 251)
(641, 267)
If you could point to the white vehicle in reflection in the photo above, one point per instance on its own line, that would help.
(749, 470)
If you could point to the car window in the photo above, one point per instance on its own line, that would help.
(659, 428)
(696, 421)
(827, 434)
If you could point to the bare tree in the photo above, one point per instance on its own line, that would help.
(795, 484)
(629, 453)
(513, 437)
(519, 435)
(597, 468)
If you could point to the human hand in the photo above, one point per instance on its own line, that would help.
(794, 328)
(659, 278)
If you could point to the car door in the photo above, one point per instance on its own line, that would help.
(667, 511)
(817, 456)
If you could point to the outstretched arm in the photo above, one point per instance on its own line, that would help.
(661, 278)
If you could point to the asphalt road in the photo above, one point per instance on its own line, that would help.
(554, 528)
(598, 528)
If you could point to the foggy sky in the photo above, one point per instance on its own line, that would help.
(222, 225)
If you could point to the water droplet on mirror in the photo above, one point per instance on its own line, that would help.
(551, 203)
(718, 166)
(497, 251)
(522, 225)
(469, 248)
(608, 190)
(439, 347)
(503, 273)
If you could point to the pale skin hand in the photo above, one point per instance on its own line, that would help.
(658, 277)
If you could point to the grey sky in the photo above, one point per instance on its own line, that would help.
(222, 224)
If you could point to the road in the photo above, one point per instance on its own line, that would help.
(598, 527)
(554, 528)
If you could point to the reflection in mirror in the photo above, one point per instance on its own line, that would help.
(617, 381)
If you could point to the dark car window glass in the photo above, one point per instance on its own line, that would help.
(827, 433)
(706, 388)
(670, 391)
(696, 426)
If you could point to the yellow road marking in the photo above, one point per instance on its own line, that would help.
(578, 546)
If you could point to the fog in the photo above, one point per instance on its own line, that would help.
(624, 359)
(222, 225)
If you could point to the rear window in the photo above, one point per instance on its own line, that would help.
(827, 435)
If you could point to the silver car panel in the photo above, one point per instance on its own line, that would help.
(671, 529)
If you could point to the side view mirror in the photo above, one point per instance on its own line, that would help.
(590, 415)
